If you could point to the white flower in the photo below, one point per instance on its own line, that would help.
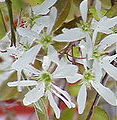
(74, 34)
(45, 86)
(104, 25)
(37, 33)
(25, 60)
(88, 80)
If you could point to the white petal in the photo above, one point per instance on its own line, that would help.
(65, 70)
(109, 59)
(110, 69)
(65, 94)
(94, 36)
(74, 78)
(81, 99)
(70, 35)
(52, 19)
(37, 28)
(22, 83)
(27, 58)
(31, 69)
(34, 95)
(43, 21)
(46, 63)
(25, 32)
(94, 23)
(98, 7)
(97, 69)
(53, 104)
(110, 22)
(84, 9)
(52, 54)
(44, 7)
(108, 41)
(63, 99)
(105, 92)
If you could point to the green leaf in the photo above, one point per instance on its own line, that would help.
(115, 118)
(73, 10)
(106, 4)
(67, 114)
(113, 11)
(63, 8)
(7, 92)
(99, 114)
(76, 51)
(2, 29)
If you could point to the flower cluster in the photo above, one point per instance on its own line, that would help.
(36, 42)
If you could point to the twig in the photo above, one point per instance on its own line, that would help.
(13, 38)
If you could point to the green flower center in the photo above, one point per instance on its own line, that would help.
(114, 29)
(46, 77)
(97, 54)
(88, 76)
(45, 40)
(85, 26)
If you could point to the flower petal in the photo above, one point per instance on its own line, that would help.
(110, 69)
(25, 32)
(84, 9)
(97, 69)
(81, 99)
(65, 94)
(44, 7)
(53, 104)
(46, 63)
(75, 78)
(52, 54)
(108, 41)
(22, 83)
(70, 35)
(52, 19)
(64, 70)
(27, 58)
(105, 92)
(98, 7)
(34, 95)
(63, 99)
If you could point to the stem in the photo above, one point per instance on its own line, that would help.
(41, 115)
(3, 20)
(13, 38)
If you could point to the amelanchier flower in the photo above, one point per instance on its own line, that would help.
(89, 80)
(104, 25)
(103, 61)
(44, 82)
(38, 33)
(25, 60)
(99, 56)
(74, 34)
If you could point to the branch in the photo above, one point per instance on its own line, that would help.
(13, 38)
